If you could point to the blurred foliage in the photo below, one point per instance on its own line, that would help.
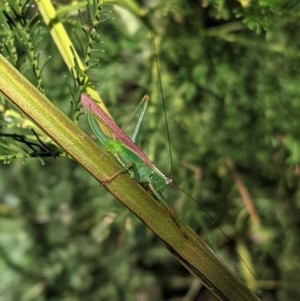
(230, 76)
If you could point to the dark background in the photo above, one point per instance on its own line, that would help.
(231, 82)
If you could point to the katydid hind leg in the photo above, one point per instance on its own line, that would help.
(131, 166)
(143, 103)
(123, 169)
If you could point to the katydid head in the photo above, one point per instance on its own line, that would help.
(169, 181)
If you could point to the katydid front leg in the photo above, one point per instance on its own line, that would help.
(144, 104)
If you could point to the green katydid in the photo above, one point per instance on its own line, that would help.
(129, 155)
(126, 151)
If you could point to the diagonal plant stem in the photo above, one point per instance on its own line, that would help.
(191, 250)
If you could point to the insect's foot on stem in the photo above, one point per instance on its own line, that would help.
(177, 222)
(117, 173)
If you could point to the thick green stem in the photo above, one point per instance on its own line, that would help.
(191, 250)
